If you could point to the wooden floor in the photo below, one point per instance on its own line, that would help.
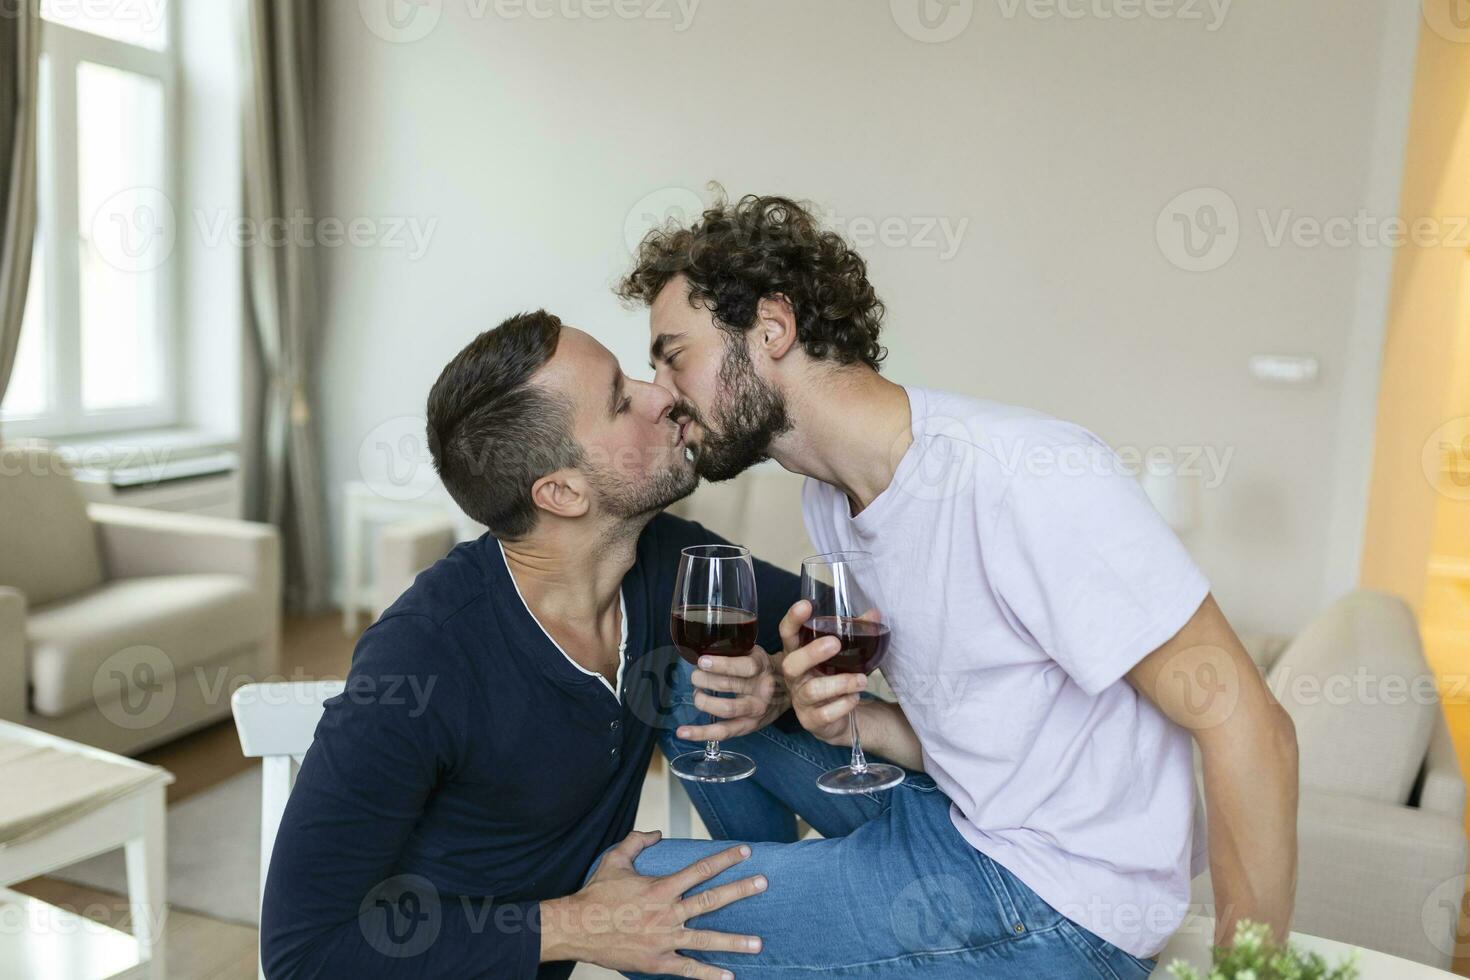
(200, 948)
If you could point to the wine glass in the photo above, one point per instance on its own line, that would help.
(842, 607)
(714, 615)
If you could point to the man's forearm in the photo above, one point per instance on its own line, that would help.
(1251, 805)
(886, 732)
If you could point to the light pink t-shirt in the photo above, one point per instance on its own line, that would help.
(1023, 572)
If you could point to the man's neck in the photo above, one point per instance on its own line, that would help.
(571, 577)
(850, 428)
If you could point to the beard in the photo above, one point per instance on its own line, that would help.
(747, 414)
(627, 501)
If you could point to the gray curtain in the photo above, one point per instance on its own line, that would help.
(280, 288)
(20, 41)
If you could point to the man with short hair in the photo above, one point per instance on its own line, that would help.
(467, 806)
(1053, 646)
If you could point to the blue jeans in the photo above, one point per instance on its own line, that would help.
(892, 889)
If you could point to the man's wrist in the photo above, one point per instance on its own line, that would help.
(556, 942)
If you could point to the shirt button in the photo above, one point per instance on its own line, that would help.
(615, 725)
(614, 752)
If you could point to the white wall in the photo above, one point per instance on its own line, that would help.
(1059, 140)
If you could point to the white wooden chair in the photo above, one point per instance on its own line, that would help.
(277, 722)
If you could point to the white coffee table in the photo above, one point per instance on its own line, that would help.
(133, 821)
(1192, 943)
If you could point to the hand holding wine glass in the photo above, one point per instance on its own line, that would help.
(754, 696)
(822, 701)
(838, 588)
(714, 616)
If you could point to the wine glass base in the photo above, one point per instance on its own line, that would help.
(845, 781)
(727, 767)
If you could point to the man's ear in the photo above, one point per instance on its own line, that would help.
(563, 493)
(775, 326)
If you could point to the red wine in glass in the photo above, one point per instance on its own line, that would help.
(717, 631)
(841, 589)
(864, 643)
(713, 613)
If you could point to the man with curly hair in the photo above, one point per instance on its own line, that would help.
(1054, 649)
(467, 807)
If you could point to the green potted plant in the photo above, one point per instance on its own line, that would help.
(1255, 956)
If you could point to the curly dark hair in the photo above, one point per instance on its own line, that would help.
(737, 254)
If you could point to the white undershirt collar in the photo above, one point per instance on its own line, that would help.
(622, 640)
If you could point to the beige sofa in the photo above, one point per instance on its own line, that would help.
(121, 627)
(1382, 805)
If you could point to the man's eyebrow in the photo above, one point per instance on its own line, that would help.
(617, 392)
(661, 342)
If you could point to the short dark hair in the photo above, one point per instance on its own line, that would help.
(737, 254)
(492, 432)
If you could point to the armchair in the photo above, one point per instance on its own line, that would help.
(123, 628)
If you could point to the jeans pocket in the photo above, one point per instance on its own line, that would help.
(1010, 900)
(918, 782)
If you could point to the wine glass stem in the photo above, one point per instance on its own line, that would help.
(859, 764)
(712, 750)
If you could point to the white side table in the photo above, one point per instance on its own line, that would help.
(133, 822)
(365, 508)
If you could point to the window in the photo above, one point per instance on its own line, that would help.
(98, 340)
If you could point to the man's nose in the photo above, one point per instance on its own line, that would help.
(660, 400)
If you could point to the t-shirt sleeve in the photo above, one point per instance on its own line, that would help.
(1085, 563)
(335, 903)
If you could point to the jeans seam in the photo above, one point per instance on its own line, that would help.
(1087, 950)
(925, 954)
(816, 763)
